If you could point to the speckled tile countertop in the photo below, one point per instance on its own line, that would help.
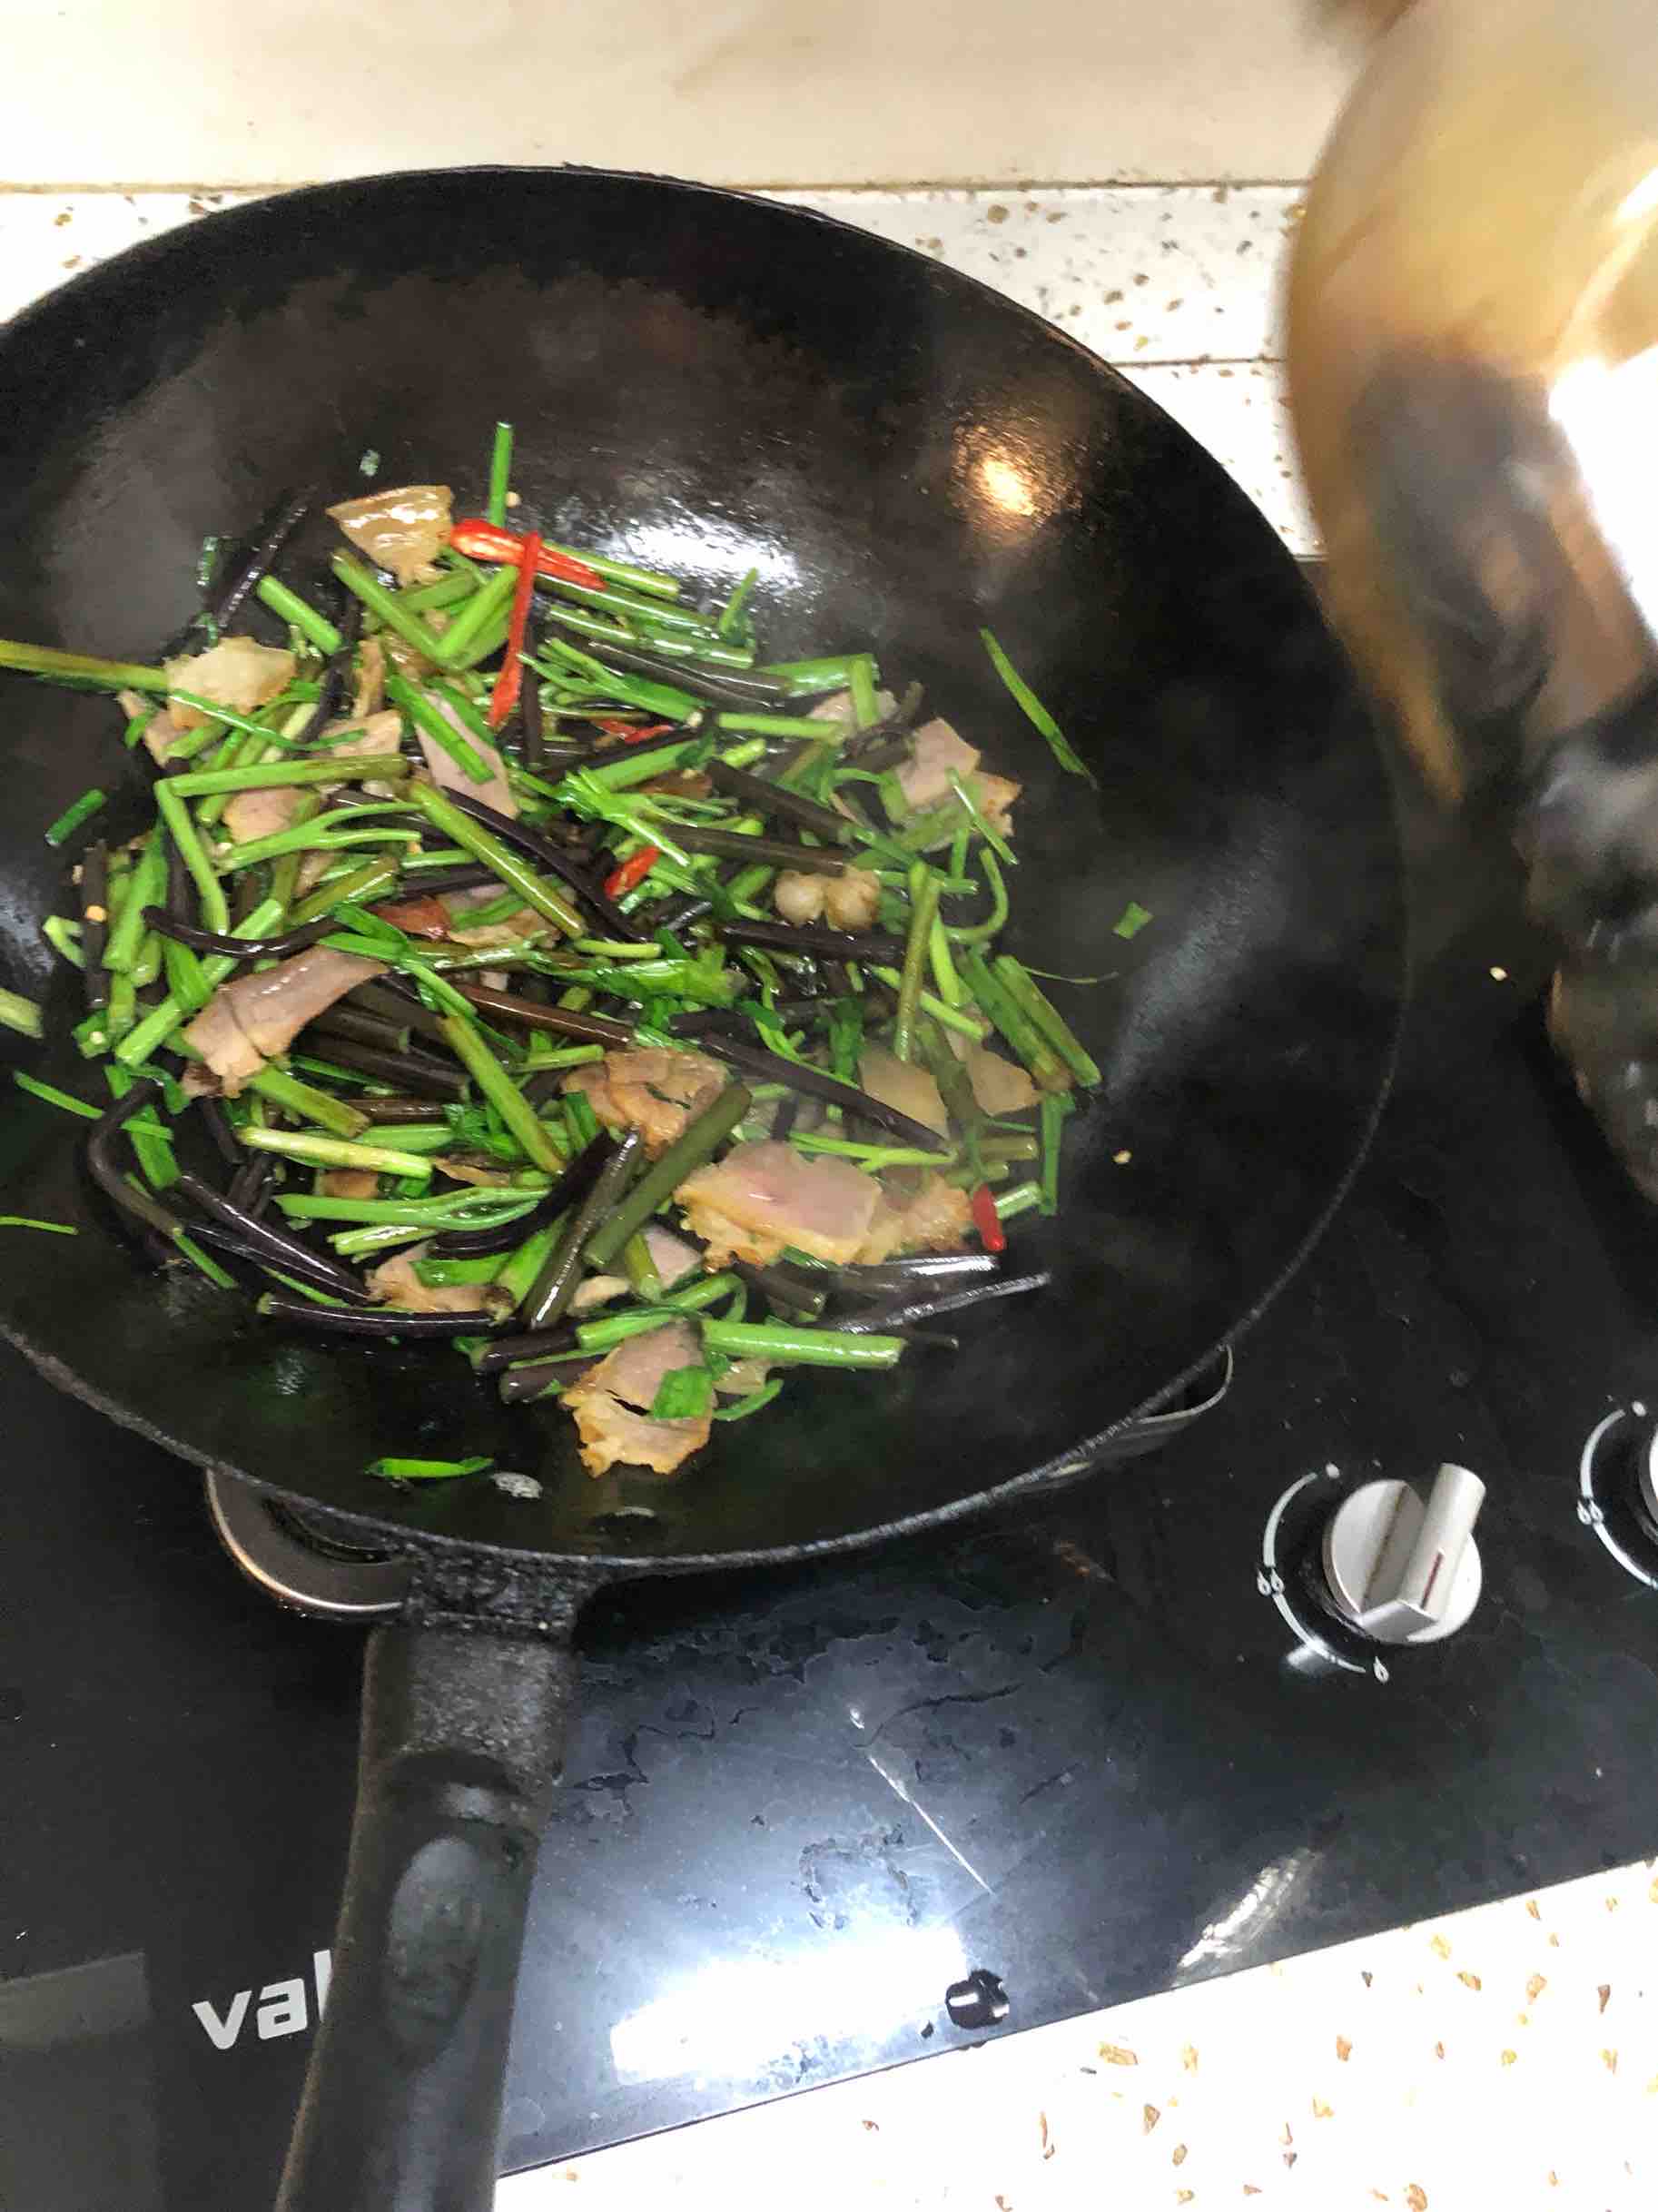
(1503, 2059)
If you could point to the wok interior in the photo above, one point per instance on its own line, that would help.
(706, 384)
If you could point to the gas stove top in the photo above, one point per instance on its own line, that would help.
(1113, 1745)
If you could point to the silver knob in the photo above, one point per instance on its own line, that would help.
(1404, 1570)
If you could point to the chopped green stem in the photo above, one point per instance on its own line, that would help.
(334, 1151)
(816, 1348)
(518, 1274)
(70, 820)
(513, 870)
(21, 1015)
(1027, 1040)
(782, 725)
(182, 828)
(145, 886)
(425, 1470)
(651, 581)
(366, 883)
(871, 1156)
(432, 722)
(866, 709)
(80, 667)
(1034, 708)
(62, 1099)
(1054, 1109)
(65, 938)
(808, 677)
(980, 933)
(500, 474)
(386, 606)
(975, 813)
(691, 1150)
(923, 912)
(289, 605)
(733, 618)
(487, 606)
(471, 1048)
(444, 592)
(279, 775)
(740, 1409)
(24, 1220)
(637, 1265)
(1045, 1017)
(306, 1103)
(1024, 1197)
(944, 968)
(458, 1210)
(328, 832)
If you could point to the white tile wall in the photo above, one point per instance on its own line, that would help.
(734, 90)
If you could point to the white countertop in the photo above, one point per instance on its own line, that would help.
(1497, 2060)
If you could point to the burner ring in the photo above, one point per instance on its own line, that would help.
(310, 1571)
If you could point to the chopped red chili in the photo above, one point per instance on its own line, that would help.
(481, 540)
(988, 1221)
(509, 681)
(631, 733)
(632, 871)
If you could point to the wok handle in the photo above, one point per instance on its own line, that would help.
(461, 1741)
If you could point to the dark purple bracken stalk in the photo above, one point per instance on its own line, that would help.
(250, 1187)
(777, 801)
(398, 1110)
(337, 674)
(875, 760)
(395, 998)
(898, 724)
(219, 1128)
(181, 890)
(875, 1279)
(903, 1313)
(729, 688)
(289, 514)
(168, 924)
(879, 946)
(107, 1174)
(563, 1021)
(438, 882)
(680, 912)
(569, 1189)
(223, 1239)
(557, 862)
(95, 923)
(282, 1246)
(383, 1322)
(775, 852)
(523, 1385)
(356, 1028)
(414, 1070)
(510, 1351)
(754, 1060)
(556, 1285)
(793, 1293)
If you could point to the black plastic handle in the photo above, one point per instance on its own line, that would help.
(461, 1739)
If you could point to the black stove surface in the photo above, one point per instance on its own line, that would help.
(1079, 1749)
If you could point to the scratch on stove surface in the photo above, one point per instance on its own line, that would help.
(934, 1704)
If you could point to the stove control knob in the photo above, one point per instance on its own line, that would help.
(1402, 1570)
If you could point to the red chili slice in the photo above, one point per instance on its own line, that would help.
(481, 540)
(988, 1221)
(509, 681)
(632, 871)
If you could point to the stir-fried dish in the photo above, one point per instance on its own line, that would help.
(559, 978)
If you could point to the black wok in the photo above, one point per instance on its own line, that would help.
(705, 382)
